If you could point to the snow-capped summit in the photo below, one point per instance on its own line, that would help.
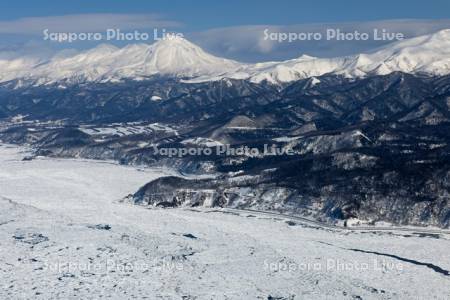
(428, 54)
(172, 56)
(176, 56)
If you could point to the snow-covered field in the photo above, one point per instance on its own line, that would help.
(124, 129)
(64, 235)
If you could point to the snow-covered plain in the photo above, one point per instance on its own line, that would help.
(65, 235)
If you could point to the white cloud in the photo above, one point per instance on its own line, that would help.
(247, 43)
(84, 23)
(243, 43)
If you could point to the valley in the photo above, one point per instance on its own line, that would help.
(61, 221)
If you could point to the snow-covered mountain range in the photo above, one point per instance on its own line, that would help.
(428, 54)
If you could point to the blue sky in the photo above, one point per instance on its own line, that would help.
(203, 14)
(227, 28)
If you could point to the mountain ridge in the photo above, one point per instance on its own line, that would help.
(179, 58)
(375, 148)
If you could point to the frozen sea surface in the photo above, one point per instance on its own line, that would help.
(65, 235)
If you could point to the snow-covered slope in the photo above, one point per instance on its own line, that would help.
(174, 57)
(428, 54)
